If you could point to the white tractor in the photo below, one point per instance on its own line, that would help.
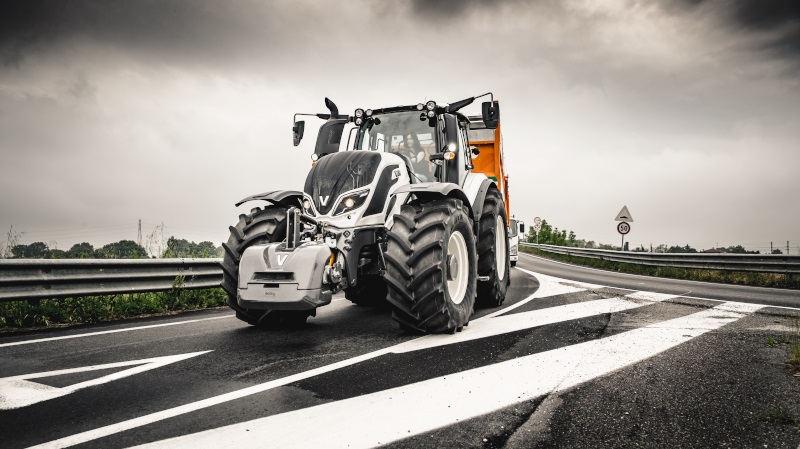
(395, 216)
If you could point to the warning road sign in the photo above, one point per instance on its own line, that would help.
(624, 215)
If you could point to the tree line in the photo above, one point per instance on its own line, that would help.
(549, 235)
(123, 249)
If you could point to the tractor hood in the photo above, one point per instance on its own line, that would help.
(338, 173)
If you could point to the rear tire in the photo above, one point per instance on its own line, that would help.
(260, 226)
(493, 252)
(431, 267)
(513, 263)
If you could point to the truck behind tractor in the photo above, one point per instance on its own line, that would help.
(409, 211)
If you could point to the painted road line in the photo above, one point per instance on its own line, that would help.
(18, 391)
(504, 324)
(398, 413)
(548, 286)
(545, 286)
(114, 331)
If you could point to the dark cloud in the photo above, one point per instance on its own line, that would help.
(453, 9)
(777, 21)
(202, 26)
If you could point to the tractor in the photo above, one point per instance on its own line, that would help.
(395, 215)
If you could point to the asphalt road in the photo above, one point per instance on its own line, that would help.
(574, 358)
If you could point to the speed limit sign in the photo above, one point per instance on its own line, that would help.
(623, 228)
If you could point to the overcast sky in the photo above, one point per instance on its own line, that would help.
(168, 111)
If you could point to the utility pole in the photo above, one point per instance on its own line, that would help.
(139, 238)
(770, 247)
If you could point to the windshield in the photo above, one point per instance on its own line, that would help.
(388, 132)
(406, 133)
(513, 228)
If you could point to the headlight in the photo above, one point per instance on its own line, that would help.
(307, 207)
(359, 121)
(431, 114)
(420, 107)
(359, 112)
(431, 105)
(351, 202)
(368, 112)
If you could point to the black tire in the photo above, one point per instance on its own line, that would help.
(261, 225)
(513, 264)
(492, 293)
(370, 292)
(419, 264)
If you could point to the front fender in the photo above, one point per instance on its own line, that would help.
(278, 197)
(432, 190)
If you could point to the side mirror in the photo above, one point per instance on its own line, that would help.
(491, 114)
(522, 228)
(297, 130)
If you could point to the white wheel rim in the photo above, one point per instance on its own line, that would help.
(457, 250)
(500, 246)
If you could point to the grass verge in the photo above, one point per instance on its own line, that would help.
(17, 315)
(773, 280)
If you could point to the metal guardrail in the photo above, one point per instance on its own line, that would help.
(765, 263)
(25, 279)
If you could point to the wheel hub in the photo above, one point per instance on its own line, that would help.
(457, 279)
(452, 267)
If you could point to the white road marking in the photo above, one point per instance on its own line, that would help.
(497, 325)
(397, 413)
(18, 391)
(94, 334)
(549, 286)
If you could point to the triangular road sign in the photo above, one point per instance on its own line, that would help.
(18, 391)
(624, 215)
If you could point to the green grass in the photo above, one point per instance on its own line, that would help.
(780, 415)
(794, 348)
(727, 277)
(92, 309)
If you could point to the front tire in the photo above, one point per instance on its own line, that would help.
(431, 267)
(260, 226)
(493, 252)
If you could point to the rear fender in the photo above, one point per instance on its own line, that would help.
(476, 188)
(286, 198)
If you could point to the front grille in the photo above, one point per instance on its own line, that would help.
(273, 276)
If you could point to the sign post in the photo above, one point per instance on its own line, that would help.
(624, 216)
(537, 225)
(623, 228)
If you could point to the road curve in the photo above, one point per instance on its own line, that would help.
(705, 290)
